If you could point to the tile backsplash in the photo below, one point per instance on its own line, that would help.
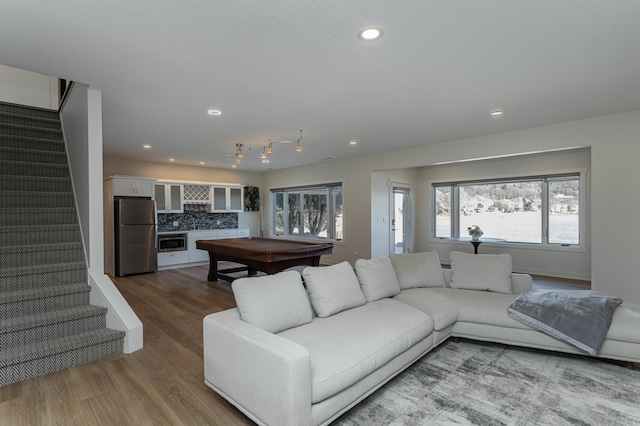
(195, 216)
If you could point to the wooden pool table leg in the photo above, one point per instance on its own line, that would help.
(213, 268)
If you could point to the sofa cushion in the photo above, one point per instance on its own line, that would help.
(273, 302)
(418, 269)
(348, 346)
(490, 272)
(624, 325)
(333, 289)
(377, 278)
(482, 307)
(440, 308)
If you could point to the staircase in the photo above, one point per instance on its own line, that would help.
(46, 321)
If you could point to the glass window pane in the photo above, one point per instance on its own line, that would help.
(278, 216)
(316, 214)
(336, 200)
(294, 213)
(443, 211)
(564, 211)
(508, 210)
(310, 212)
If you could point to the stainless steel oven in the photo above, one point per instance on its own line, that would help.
(172, 242)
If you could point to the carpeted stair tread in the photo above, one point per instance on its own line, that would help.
(29, 120)
(58, 346)
(30, 131)
(20, 216)
(28, 111)
(43, 299)
(44, 254)
(42, 276)
(25, 168)
(40, 247)
(39, 234)
(32, 155)
(41, 269)
(28, 142)
(10, 325)
(34, 183)
(43, 292)
(32, 199)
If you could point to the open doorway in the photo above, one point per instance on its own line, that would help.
(400, 241)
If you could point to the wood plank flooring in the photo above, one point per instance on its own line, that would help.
(161, 384)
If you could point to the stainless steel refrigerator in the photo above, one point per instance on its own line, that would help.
(136, 236)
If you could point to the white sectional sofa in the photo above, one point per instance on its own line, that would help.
(290, 355)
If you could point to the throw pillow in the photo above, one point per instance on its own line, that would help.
(491, 272)
(418, 269)
(274, 302)
(333, 289)
(377, 278)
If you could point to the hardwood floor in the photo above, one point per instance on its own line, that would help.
(161, 384)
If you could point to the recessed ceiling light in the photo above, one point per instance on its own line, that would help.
(146, 146)
(370, 34)
(233, 166)
(497, 113)
(214, 112)
(266, 161)
(172, 159)
(353, 142)
(202, 162)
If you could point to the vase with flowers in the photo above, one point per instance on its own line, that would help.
(475, 232)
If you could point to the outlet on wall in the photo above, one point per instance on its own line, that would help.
(217, 222)
(176, 223)
(355, 253)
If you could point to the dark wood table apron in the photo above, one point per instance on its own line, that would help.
(269, 255)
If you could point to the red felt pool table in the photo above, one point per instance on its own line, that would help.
(269, 255)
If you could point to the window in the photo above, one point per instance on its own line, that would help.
(536, 210)
(308, 212)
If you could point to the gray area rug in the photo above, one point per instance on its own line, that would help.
(475, 383)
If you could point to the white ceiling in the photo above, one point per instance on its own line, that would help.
(275, 67)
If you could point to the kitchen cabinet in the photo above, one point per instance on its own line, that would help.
(197, 194)
(227, 198)
(169, 197)
(192, 255)
(173, 258)
(196, 255)
(132, 187)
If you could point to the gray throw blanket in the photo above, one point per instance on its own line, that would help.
(579, 317)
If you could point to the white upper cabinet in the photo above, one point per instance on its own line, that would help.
(169, 197)
(227, 198)
(132, 187)
(197, 194)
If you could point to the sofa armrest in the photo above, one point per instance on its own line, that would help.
(521, 283)
(264, 375)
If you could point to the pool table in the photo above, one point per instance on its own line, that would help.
(269, 255)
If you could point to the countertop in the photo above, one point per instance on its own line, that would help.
(181, 232)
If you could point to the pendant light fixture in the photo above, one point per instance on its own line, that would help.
(299, 148)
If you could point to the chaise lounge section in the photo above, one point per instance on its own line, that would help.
(290, 355)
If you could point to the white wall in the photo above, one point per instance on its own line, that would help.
(28, 88)
(563, 262)
(82, 124)
(75, 124)
(615, 194)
